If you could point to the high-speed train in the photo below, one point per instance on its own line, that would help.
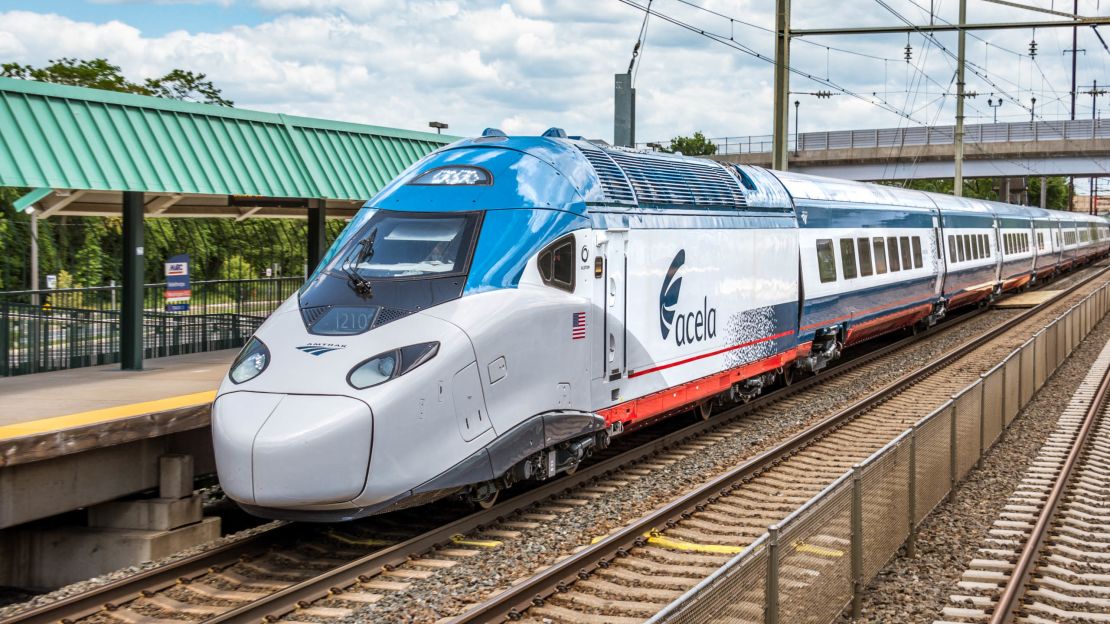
(507, 305)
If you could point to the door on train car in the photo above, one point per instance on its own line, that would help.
(938, 255)
(616, 277)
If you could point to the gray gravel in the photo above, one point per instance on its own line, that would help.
(451, 591)
(916, 590)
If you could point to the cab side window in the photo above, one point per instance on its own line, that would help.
(556, 264)
(826, 262)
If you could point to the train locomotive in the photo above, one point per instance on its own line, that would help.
(508, 305)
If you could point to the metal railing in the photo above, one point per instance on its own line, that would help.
(819, 559)
(34, 339)
(1077, 129)
(242, 296)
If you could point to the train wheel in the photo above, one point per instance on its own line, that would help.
(573, 469)
(788, 376)
(489, 501)
(705, 409)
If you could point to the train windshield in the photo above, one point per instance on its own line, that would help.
(409, 245)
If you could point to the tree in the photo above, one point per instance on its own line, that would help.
(985, 188)
(696, 145)
(96, 73)
(178, 84)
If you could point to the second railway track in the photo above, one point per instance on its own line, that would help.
(1047, 557)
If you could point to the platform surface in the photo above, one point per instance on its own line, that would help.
(1029, 299)
(46, 402)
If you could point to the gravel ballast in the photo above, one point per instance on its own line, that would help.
(916, 590)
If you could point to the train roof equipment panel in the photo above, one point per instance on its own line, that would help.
(803, 186)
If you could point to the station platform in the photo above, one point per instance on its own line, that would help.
(72, 438)
(73, 400)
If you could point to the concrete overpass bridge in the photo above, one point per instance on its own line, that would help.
(1006, 150)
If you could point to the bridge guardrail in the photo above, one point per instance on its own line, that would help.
(1053, 130)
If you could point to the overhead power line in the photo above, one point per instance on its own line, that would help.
(763, 57)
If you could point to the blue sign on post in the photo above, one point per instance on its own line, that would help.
(178, 290)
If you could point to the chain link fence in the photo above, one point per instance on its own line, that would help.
(816, 562)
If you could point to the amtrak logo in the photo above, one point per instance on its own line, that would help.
(318, 349)
(668, 295)
(689, 327)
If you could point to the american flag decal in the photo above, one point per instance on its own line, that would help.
(578, 325)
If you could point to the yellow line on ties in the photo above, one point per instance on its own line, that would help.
(106, 414)
(803, 547)
(658, 539)
(359, 541)
(462, 541)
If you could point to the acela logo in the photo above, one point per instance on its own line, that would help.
(668, 295)
(688, 327)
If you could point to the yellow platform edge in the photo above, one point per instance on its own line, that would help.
(118, 412)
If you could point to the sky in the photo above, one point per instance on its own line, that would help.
(526, 65)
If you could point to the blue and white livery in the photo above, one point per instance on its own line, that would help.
(507, 305)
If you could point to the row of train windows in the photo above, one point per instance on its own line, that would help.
(1015, 242)
(963, 247)
(905, 253)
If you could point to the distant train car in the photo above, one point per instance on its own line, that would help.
(507, 305)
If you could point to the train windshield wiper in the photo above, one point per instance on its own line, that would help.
(356, 281)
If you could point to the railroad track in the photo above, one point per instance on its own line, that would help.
(1047, 557)
(323, 573)
(633, 573)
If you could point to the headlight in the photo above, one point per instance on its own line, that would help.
(385, 366)
(252, 360)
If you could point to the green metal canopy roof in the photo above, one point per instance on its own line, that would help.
(65, 137)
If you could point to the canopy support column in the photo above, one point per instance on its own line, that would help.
(134, 273)
(317, 243)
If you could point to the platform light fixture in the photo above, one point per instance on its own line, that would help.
(438, 125)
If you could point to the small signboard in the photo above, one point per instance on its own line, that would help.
(51, 281)
(178, 291)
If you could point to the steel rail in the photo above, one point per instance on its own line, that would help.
(510, 603)
(123, 591)
(1010, 601)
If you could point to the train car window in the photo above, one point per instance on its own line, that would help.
(826, 263)
(1040, 241)
(892, 254)
(962, 248)
(951, 248)
(556, 264)
(904, 245)
(848, 257)
(976, 246)
(864, 247)
(917, 261)
(880, 256)
(985, 245)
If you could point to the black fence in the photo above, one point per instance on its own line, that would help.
(239, 296)
(50, 330)
(34, 339)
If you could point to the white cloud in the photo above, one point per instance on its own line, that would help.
(526, 65)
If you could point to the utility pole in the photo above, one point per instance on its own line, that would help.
(958, 139)
(1094, 93)
(780, 148)
(1074, 56)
